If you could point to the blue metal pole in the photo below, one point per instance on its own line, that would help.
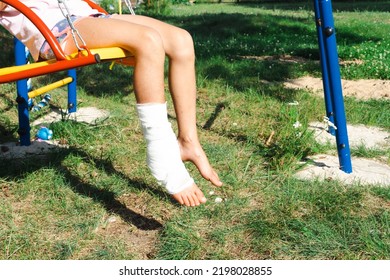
(72, 92)
(324, 68)
(328, 31)
(22, 96)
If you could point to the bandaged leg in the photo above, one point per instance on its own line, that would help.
(163, 153)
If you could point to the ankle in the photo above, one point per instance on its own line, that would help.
(188, 140)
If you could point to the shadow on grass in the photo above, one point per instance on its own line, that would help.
(18, 168)
(7, 126)
(229, 47)
(6, 48)
(342, 6)
(7, 133)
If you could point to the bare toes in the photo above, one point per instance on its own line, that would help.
(191, 196)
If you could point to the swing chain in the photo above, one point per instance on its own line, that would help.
(65, 11)
(130, 7)
(329, 123)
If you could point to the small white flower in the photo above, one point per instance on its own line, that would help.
(295, 103)
(297, 124)
(211, 192)
(218, 200)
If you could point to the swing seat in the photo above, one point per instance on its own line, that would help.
(75, 60)
(22, 71)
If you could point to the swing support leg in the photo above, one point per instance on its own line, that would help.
(22, 96)
(331, 80)
(72, 92)
(324, 69)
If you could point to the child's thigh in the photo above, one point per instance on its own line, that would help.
(173, 37)
(107, 32)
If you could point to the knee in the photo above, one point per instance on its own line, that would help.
(184, 46)
(150, 44)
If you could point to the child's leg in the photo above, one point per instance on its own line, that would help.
(143, 42)
(146, 44)
(178, 46)
(164, 159)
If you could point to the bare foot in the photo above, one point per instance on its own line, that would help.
(191, 196)
(193, 152)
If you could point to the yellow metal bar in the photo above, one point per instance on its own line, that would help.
(111, 53)
(14, 69)
(120, 6)
(104, 53)
(42, 90)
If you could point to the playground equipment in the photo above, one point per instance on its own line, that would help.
(20, 73)
(23, 70)
(334, 103)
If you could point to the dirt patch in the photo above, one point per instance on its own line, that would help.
(361, 89)
(358, 135)
(13, 150)
(279, 58)
(88, 115)
(364, 171)
(137, 237)
(141, 243)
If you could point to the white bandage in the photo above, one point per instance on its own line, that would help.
(163, 153)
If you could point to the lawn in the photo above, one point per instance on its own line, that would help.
(97, 200)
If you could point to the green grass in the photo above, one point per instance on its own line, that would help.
(97, 200)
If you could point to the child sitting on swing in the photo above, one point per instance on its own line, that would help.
(149, 40)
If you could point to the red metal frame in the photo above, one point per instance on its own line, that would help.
(62, 62)
(93, 5)
(56, 66)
